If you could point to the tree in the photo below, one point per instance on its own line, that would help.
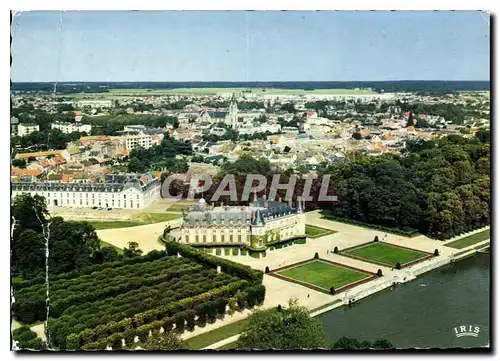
(379, 273)
(398, 265)
(132, 250)
(336, 250)
(267, 269)
(357, 135)
(382, 344)
(332, 290)
(136, 166)
(375, 239)
(346, 343)
(164, 341)
(436, 252)
(19, 163)
(316, 255)
(290, 328)
(410, 122)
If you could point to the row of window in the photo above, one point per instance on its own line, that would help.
(197, 238)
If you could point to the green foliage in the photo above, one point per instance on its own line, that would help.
(132, 250)
(440, 188)
(436, 252)
(398, 265)
(346, 343)
(19, 163)
(336, 250)
(290, 328)
(379, 273)
(316, 255)
(163, 342)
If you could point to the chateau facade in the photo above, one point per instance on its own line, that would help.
(256, 227)
(128, 191)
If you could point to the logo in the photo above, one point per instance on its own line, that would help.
(470, 330)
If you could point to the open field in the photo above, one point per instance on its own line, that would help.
(315, 232)
(470, 240)
(384, 253)
(117, 93)
(140, 219)
(323, 274)
(115, 224)
(211, 337)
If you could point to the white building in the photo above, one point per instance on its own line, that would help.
(67, 127)
(256, 227)
(145, 138)
(129, 191)
(26, 129)
(95, 103)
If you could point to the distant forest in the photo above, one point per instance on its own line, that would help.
(433, 87)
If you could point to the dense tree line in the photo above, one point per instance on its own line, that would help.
(47, 139)
(112, 124)
(72, 245)
(441, 188)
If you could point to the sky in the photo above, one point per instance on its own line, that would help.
(249, 46)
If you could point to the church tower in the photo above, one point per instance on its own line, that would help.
(232, 116)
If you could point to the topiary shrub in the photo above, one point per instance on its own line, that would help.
(316, 255)
(398, 265)
(379, 273)
(375, 239)
(436, 252)
(279, 308)
(267, 269)
(336, 250)
(332, 290)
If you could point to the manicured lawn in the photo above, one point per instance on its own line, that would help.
(157, 217)
(470, 240)
(106, 244)
(384, 253)
(116, 224)
(315, 232)
(176, 207)
(323, 274)
(211, 337)
(141, 220)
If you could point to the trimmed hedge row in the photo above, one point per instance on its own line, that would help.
(151, 256)
(206, 306)
(227, 266)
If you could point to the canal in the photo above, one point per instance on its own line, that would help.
(422, 313)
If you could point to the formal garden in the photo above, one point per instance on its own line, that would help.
(123, 304)
(385, 254)
(322, 275)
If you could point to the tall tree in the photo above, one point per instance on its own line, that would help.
(285, 329)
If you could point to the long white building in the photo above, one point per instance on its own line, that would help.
(67, 127)
(125, 191)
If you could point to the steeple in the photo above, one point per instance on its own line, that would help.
(299, 205)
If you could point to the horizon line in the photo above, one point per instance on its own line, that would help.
(248, 81)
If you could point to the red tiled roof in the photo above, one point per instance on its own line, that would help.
(26, 172)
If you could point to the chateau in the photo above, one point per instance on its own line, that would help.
(256, 227)
(123, 191)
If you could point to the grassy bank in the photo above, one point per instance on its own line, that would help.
(470, 240)
(211, 337)
(315, 232)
